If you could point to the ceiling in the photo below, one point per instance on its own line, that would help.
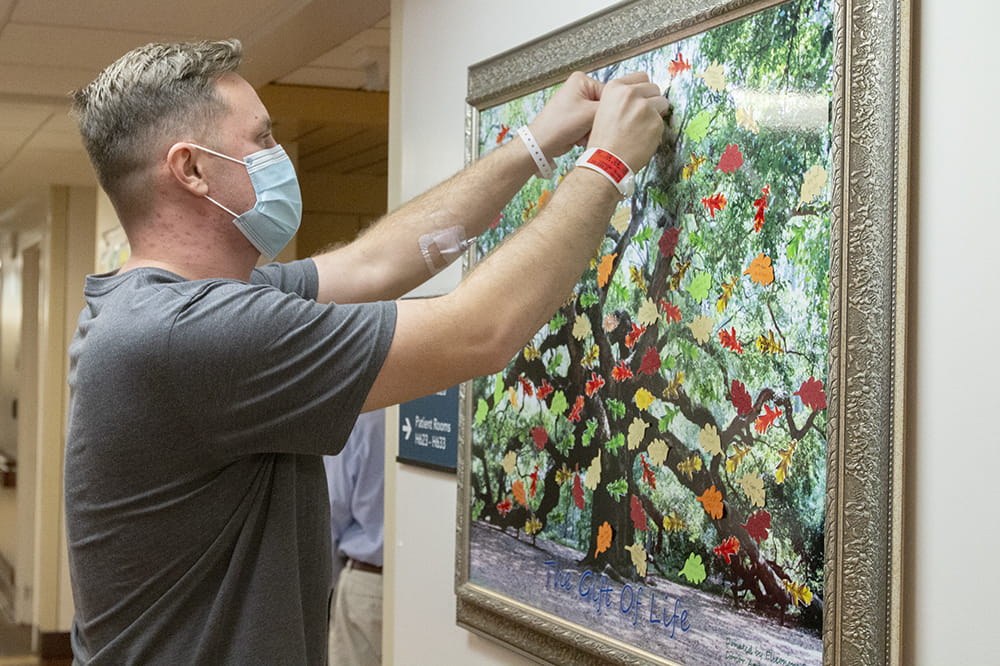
(321, 67)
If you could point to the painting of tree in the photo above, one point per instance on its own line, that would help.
(668, 424)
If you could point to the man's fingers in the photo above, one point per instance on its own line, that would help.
(661, 104)
(634, 77)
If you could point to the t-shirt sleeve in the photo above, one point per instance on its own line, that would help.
(258, 370)
(296, 277)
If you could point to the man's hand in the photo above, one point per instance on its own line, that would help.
(566, 119)
(629, 119)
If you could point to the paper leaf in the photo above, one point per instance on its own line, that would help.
(526, 386)
(531, 352)
(813, 183)
(581, 327)
(636, 432)
(558, 404)
(637, 514)
(509, 463)
(610, 322)
(714, 203)
(638, 557)
(648, 313)
(692, 167)
(753, 487)
(563, 474)
(657, 451)
(697, 127)
(635, 277)
(594, 384)
(534, 482)
(760, 270)
(591, 357)
(767, 419)
(673, 390)
(690, 466)
(712, 502)
(731, 160)
(604, 269)
(709, 440)
(740, 398)
(728, 548)
(700, 286)
(745, 119)
(545, 390)
(482, 410)
(604, 534)
(578, 496)
(616, 442)
(811, 392)
(541, 437)
(517, 489)
(633, 336)
(620, 220)
(651, 362)
(593, 479)
(781, 473)
(617, 488)
(512, 396)
(674, 523)
(760, 203)
(757, 525)
(574, 414)
(768, 344)
(615, 407)
(727, 292)
(676, 66)
(668, 242)
(701, 328)
(715, 77)
(643, 398)
(733, 461)
(799, 593)
(671, 312)
(621, 372)
(504, 507)
(729, 340)
(532, 526)
(694, 569)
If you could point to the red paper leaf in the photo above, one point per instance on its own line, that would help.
(594, 384)
(504, 130)
(757, 525)
(761, 205)
(677, 66)
(767, 419)
(731, 160)
(534, 482)
(648, 476)
(505, 506)
(651, 362)
(668, 241)
(671, 312)
(638, 515)
(728, 548)
(812, 394)
(574, 414)
(728, 340)
(633, 335)
(545, 390)
(526, 386)
(714, 203)
(741, 398)
(621, 372)
(541, 437)
(578, 496)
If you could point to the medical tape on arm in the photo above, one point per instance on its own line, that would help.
(441, 247)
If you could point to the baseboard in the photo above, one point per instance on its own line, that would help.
(54, 645)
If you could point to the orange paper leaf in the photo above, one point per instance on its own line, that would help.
(604, 269)
(760, 270)
(711, 500)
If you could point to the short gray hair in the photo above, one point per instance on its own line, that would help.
(146, 96)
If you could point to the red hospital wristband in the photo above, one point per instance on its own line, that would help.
(612, 167)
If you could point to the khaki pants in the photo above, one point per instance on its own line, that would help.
(356, 619)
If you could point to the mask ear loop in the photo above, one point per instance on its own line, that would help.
(225, 157)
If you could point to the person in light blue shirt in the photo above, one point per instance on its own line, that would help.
(355, 479)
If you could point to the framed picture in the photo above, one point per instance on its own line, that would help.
(698, 460)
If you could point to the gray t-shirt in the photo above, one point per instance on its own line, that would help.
(196, 500)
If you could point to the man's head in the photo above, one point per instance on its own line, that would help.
(135, 109)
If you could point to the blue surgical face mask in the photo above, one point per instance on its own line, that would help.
(275, 218)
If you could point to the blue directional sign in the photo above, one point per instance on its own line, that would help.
(428, 430)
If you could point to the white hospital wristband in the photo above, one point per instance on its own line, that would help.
(545, 168)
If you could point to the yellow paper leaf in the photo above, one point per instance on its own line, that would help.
(727, 292)
(563, 474)
(710, 440)
(594, 473)
(674, 523)
(531, 352)
(769, 344)
(745, 119)
(760, 270)
(673, 389)
(532, 526)
(753, 486)
(581, 327)
(636, 431)
(635, 275)
(648, 313)
(812, 184)
(509, 463)
(690, 466)
(512, 396)
(604, 534)
(799, 592)
(591, 356)
(739, 452)
(691, 168)
(781, 473)
(643, 398)
(638, 557)
(701, 328)
(657, 451)
(621, 218)
(604, 269)
(715, 77)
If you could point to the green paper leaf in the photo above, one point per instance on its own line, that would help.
(588, 434)
(559, 404)
(498, 390)
(697, 128)
(618, 489)
(616, 407)
(565, 444)
(615, 443)
(557, 322)
(482, 409)
(700, 286)
(587, 299)
(694, 569)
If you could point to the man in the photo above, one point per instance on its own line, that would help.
(355, 480)
(204, 391)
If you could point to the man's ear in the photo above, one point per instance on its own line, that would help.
(184, 164)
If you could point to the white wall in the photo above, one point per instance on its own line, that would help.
(954, 445)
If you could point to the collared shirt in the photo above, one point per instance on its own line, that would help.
(355, 479)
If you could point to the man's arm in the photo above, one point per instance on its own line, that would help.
(477, 328)
(386, 261)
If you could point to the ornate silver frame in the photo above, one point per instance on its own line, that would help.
(868, 288)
